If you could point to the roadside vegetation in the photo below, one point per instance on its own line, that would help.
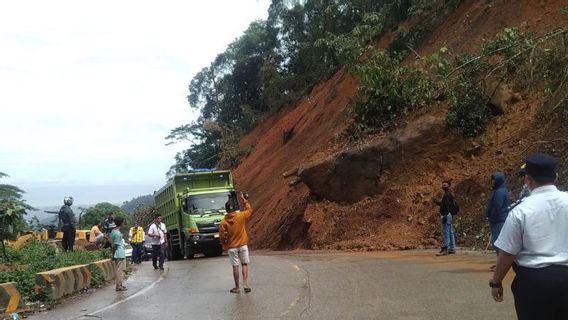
(39, 256)
(12, 210)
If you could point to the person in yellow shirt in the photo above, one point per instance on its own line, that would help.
(136, 237)
(234, 239)
(96, 236)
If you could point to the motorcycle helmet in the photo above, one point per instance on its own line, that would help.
(68, 200)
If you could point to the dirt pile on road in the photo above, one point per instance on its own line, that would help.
(378, 194)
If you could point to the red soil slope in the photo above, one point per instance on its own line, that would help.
(401, 215)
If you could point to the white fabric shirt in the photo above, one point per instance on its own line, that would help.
(536, 230)
(154, 230)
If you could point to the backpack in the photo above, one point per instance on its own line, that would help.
(455, 207)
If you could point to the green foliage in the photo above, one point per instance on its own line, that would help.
(138, 203)
(101, 211)
(469, 110)
(431, 14)
(388, 90)
(12, 211)
(39, 256)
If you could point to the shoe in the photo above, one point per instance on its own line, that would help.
(451, 251)
(121, 289)
(442, 253)
(235, 290)
(247, 290)
(155, 268)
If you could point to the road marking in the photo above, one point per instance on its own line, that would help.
(150, 286)
(300, 294)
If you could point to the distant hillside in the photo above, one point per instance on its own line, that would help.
(138, 202)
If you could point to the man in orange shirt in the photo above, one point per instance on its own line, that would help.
(96, 236)
(234, 239)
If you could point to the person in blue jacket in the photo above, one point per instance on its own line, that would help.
(497, 207)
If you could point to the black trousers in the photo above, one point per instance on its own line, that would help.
(68, 240)
(158, 255)
(541, 294)
(136, 252)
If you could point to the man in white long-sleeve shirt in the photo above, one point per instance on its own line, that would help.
(157, 233)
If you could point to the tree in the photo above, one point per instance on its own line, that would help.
(34, 223)
(136, 203)
(12, 211)
(100, 212)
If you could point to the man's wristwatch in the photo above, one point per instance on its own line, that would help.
(495, 284)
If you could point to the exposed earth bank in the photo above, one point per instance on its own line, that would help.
(378, 194)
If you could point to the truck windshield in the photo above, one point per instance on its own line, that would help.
(207, 202)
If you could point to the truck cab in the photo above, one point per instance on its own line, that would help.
(192, 206)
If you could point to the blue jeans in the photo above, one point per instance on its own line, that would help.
(495, 231)
(448, 231)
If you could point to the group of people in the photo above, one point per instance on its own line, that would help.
(530, 236)
(113, 238)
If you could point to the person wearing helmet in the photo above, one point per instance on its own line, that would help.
(67, 220)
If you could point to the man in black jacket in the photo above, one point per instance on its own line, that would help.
(67, 219)
(446, 208)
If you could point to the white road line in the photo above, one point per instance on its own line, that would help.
(110, 306)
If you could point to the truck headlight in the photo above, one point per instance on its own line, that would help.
(195, 237)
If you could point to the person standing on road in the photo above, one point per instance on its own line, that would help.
(448, 206)
(234, 239)
(497, 208)
(118, 254)
(157, 233)
(96, 236)
(534, 242)
(136, 238)
(67, 219)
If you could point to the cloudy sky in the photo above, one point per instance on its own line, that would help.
(89, 90)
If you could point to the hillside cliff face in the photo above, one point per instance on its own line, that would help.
(378, 194)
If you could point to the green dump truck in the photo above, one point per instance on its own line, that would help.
(192, 206)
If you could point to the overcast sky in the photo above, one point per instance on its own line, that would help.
(89, 90)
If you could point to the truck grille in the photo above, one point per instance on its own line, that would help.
(208, 227)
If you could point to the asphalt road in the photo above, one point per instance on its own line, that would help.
(408, 285)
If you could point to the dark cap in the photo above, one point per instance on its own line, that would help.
(541, 167)
(118, 221)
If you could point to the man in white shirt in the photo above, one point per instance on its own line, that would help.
(534, 241)
(157, 233)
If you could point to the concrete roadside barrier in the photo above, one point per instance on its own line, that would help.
(10, 298)
(106, 267)
(58, 283)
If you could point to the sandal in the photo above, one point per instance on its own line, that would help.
(247, 290)
(235, 290)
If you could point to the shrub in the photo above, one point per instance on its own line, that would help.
(39, 256)
(469, 110)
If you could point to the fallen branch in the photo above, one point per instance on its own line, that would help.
(544, 142)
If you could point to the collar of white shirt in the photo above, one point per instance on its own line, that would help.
(544, 189)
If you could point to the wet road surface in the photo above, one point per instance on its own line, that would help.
(409, 285)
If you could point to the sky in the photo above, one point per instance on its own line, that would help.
(90, 89)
